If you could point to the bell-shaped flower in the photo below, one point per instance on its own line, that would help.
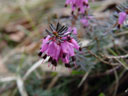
(44, 45)
(122, 18)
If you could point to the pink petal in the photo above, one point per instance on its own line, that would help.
(74, 42)
(122, 17)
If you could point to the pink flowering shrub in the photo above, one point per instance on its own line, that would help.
(61, 41)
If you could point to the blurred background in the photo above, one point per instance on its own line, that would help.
(22, 26)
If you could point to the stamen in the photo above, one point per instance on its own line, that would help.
(68, 38)
(45, 37)
(67, 65)
(49, 65)
(54, 62)
(126, 11)
(79, 9)
(74, 5)
(64, 55)
(80, 49)
(65, 5)
(119, 26)
(45, 56)
(73, 58)
(85, 4)
(39, 54)
(72, 12)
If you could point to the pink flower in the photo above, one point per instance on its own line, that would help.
(44, 45)
(74, 42)
(122, 18)
(59, 45)
(73, 30)
(84, 21)
(80, 5)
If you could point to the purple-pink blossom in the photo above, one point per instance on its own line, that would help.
(59, 45)
(122, 18)
(80, 5)
(84, 21)
(73, 29)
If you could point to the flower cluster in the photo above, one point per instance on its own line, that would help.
(80, 5)
(59, 44)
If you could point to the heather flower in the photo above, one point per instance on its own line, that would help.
(84, 21)
(59, 45)
(73, 29)
(80, 5)
(122, 18)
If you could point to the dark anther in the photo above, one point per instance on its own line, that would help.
(50, 59)
(126, 11)
(67, 65)
(45, 37)
(74, 5)
(72, 12)
(68, 38)
(65, 5)
(118, 26)
(84, 27)
(64, 55)
(85, 4)
(80, 49)
(79, 9)
(45, 56)
(54, 62)
(39, 54)
(73, 58)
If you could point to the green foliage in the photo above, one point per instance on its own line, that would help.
(101, 94)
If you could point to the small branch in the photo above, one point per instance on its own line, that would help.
(20, 85)
(122, 33)
(97, 57)
(84, 78)
(124, 65)
(117, 57)
(108, 72)
(116, 83)
(8, 79)
(53, 82)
